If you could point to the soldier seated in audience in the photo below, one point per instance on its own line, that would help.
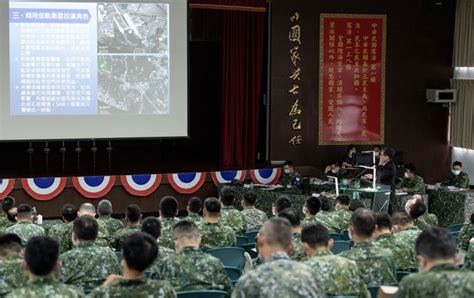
(414, 207)
(280, 204)
(41, 262)
(133, 217)
(168, 212)
(230, 216)
(190, 268)
(69, 214)
(278, 276)
(213, 233)
(457, 178)
(293, 217)
(25, 228)
(152, 227)
(356, 204)
(253, 217)
(375, 263)
(339, 276)
(466, 234)
(325, 216)
(104, 208)
(403, 253)
(193, 208)
(139, 251)
(310, 209)
(469, 258)
(411, 183)
(440, 277)
(343, 214)
(87, 265)
(12, 274)
(404, 227)
(7, 204)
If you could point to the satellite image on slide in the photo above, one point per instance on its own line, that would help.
(133, 59)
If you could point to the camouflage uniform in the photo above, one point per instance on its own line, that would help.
(66, 239)
(408, 235)
(195, 218)
(46, 287)
(460, 181)
(311, 220)
(111, 224)
(279, 277)
(88, 265)
(375, 263)
(136, 288)
(12, 274)
(469, 259)
(338, 275)
(328, 219)
(121, 234)
(466, 234)
(56, 231)
(287, 179)
(232, 218)
(342, 217)
(254, 218)
(415, 186)
(162, 254)
(443, 280)
(4, 222)
(166, 238)
(191, 269)
(298, 253)
(216, 235)
(26, 230)
(404, 254)
(426, 221)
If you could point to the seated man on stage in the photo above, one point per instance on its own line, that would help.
(349, 160)
(335, 170)
(289, 174)
(411, 183)
(458, 178)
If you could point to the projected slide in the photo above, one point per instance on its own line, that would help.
(89, 58)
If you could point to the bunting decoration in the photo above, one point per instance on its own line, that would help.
(228, 176)
(6, 186)
(43, 189)
(266, 176)
(187, 183)
(93, 187)
(141, 185)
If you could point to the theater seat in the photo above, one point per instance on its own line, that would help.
(251, 235)
(241, 240)
(229, 256)
(340, 246)
(201, 294)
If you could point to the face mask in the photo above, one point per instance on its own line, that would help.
(349, 232)
(335, 171)
(456, 172)
(406, 175)
(287, 171)
(376, 154)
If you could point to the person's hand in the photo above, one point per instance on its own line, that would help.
(369, 176)
(328, 168)
(111, 279)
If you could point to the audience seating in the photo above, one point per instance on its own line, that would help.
(241, 240)
(455, 228)
(402, 274)
(336, 236)
(250, 249)
(233, 274)
(202, 294)
(229, 256)
(340, 246)
(345, 235)
(373, 291)
(251, 235)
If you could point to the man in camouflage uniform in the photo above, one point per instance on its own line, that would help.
(339, 276)
(310, 209)
(12, 274)
(190, 268)
(440, 277)
(230, 216)
(406, 231)
(7, 204)
(342, 215)
(278, 275)
(168, 213)
(466, 234)
(87, 265)
(139, 252)
(291, 214)
(457, 178)
(375, 263)
(213, 233)
(403, 253)
(25, 228)
(325, 216)
(133, 217)
(104, 208)
(193, 208)
(289, 174)
(41, 257)
(469, 259)
(253, 217)
(152, 227)
(69, 214)
(281, 204)
(417, 210)
(411, 183)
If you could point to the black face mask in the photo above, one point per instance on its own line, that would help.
(11, 217)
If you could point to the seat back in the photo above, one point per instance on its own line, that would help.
(402, 274)
(336, 236)
(455, 228)
(229, 256)
(251, 235)
(233, 273)
(345, 235)
(250, 249)
(202, 294)
(374, 291)
(340, 246)
(241, 240)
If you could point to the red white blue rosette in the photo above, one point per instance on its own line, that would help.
(223, 177)
(6, 186)
(187, 183)
(93, 187)
(141, 185)
(266, 176)
(43, 189)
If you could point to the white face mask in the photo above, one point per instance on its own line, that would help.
(287, 171)
(456, 172)
(406, 175)
(335, 171)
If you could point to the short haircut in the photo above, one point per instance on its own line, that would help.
(383, 220)
(69, 212)
(288, 163)
(401, 218)
(104, 207)
(41, 255)
(139, 251)
(417, 209)
(343, 200)
(325, 205)
(356, 204)
(350, 147)
(185, 228)
(85, 228)
(152, 226)
(336, 163)
(9, 243)
(376, 146)
(24, 210)
(250, 197)
(195, 205)
(363, 222)
(313, 204)
(434, 244)
(282, 203)
(227, 195)
(411, 167)
(8, 203)
(133, 213)
(315, 235)
(389, 152)
(457, 163)
(277, 231)
(292, 215)
(212, 205)
(168, 207)
(87, 207)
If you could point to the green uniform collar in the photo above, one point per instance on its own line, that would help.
(86, 243)
(385, 236)
(104, 217)
(411, 228)
(39, 280)
(364, 244)
(12, 257)
(131, 282)
(188, 249)
(279, 255)
(444, 267)
(227, 207)
(323, 253)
